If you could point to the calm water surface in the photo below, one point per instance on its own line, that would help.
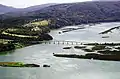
(64, 68)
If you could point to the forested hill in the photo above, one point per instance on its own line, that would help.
(77, 13)
(71, 13)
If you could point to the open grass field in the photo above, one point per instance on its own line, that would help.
(42, 23)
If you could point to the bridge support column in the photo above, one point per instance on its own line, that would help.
(45, 42)
(63, 43)
(58, 42)
(49, 42)
(67, 42)
(72, 43)
(76, 43)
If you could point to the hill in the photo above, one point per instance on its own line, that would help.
(23, 11)
(72, 13)
(86, 12)
(5, 9)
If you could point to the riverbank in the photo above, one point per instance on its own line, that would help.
(25, 35)
(91, 56)
(10, 47)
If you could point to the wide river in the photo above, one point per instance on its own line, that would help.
(64, 68)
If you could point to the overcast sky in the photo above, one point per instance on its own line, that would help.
(26, 3)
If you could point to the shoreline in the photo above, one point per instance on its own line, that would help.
(92, 56)
(20, 64)
(51, 36)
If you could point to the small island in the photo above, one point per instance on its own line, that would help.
(67, 47)
(71, 29)
(109, 30)
(91, 56)
(17, 64)
(97, 51)
(20, 64)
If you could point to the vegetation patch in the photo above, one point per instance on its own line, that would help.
(117, 48)
(98, 47)
(16, 35)
(22, 31)
(109, 30)
(79, 47)
(6, 47)
(105, 44)
(17, 64)
(41, 23)
(67, 47)
(110, 52)
(90, 56)
(21, 36)
(6, 52)
(19, 45)
(5, 41)
(88, 50)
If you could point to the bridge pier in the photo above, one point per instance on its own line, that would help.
(58, 42)
(63, 43)
(72, 43)
(54, 42)
(67, 42)
(45, 42)
(49, 42)
(76, 43)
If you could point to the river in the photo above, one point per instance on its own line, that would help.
(64, 68)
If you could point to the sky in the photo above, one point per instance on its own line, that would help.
(27, 3)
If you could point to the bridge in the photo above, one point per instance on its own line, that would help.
(57, 42)
(60, 42)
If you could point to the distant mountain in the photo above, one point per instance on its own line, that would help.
(77, 13)
(5, 9)
(24, 11)
(72, 13)
(37, 7)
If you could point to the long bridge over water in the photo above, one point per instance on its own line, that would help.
(60, 42)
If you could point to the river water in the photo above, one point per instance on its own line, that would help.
(64, 68)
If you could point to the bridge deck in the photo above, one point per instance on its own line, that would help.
(62, 42)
